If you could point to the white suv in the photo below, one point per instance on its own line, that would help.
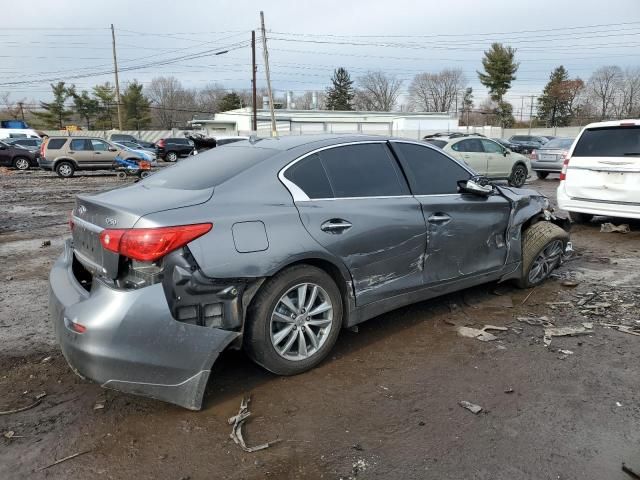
(601, 173)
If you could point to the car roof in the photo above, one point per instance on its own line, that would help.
(289, 142)
(614, 123)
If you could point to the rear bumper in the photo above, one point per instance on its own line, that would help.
(131, 342)
(45, 164)
(539, 166)
(596, 207)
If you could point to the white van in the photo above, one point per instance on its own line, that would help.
(601, 173)
(6, 133)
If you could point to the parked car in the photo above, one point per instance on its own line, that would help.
(601, 173)
(136, 146)
(17, 156)
(274, 246)
(138, 151)
(170, 149)
(227, 140)
(66, 155)
(486, 157)
(550, 156)
(123, 137)
(528, 143)
(514, 147)
(32, 144)
(548, 137)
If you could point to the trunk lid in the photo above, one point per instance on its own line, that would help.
(605, 165)
(551, 155)
(117, 209)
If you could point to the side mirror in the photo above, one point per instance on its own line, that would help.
(3, 147)
(476, 186)
(113, 149)
(505, 152)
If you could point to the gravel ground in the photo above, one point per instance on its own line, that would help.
(384, 405)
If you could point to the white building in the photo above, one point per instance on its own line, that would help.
(296, 122)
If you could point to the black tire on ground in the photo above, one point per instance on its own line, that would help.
(257, 332)
(21, 163)
(577, 217)
(171, 157)
(518, 175)
(65, 169)
(144, 173)
(542, 175)
(534, 240)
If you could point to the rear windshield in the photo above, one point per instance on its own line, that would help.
(609, 142)
(209, 169)
(56, 143)
(437, 143)
(559, 143)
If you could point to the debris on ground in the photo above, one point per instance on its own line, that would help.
(629, 471)
(11, 434)
(611, 228)
(236, 432)
(41, 395)
(536, 321)
(527, 297)
(566, 352)
(100, 404)
(22, 409)
(63, 460)
(480, 333)
(472, 407)
(631, 330)
(46, 360)
(45, 243)
(570, 331)
(509, 390)
(569, 283)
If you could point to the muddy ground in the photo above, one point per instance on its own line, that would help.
(384, 405)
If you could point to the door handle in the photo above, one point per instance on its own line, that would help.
(335, 225)
(97, 153)
(439, 218)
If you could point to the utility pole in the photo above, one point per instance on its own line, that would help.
(521, 108)
(274, 128)
(115, 69)
(254, 121)
(530, 114)
(21, 105)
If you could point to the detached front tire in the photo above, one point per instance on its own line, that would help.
(518, 176)
(294, 320)
(543, 245)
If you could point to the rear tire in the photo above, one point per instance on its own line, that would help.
(65, 169)
(543, 245)
(21, 163)
(580, 218)
(268, 319)
(171, 157)
(542, 175)
(518, 175)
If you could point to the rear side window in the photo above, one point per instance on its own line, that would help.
(309, 175)
(437, 143)
(429, 171)
(80, 145)
(470, 145)
(209, 169)
(363, 170)
(609, 142)
(56, 143)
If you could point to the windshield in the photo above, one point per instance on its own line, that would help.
(210, 168)
(564, 143)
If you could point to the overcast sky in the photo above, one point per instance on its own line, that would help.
(42, 40)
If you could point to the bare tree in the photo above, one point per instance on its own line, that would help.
(377, 91)
(13, 109)
(172, 104)
(629, 99)
(436, 92)
(604, 87)
(209, 96)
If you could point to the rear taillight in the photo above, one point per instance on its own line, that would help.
(565, 164)
(533, 155)
(149, 244)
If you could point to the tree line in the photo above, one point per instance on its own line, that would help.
(165, 102)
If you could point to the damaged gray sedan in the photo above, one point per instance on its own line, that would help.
(274, 246)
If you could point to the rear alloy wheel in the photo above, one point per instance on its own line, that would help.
(542, 175)
(518, 175)
(171, 157)
(21, 163)
(294, 320)
(65, 169)
(543, 245)
(577, 217)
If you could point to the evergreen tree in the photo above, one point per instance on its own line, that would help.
(85, 106)
(554, 105)
(55, 113)
(135, 106)
(499, 71)
(341, 94)
(230, 101)
(106, 96)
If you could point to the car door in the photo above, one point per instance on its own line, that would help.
(357, 205)
(104, 154)
(5, 154)
(80, 150)
(470, 151)
(498, 162)
(465, 232)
